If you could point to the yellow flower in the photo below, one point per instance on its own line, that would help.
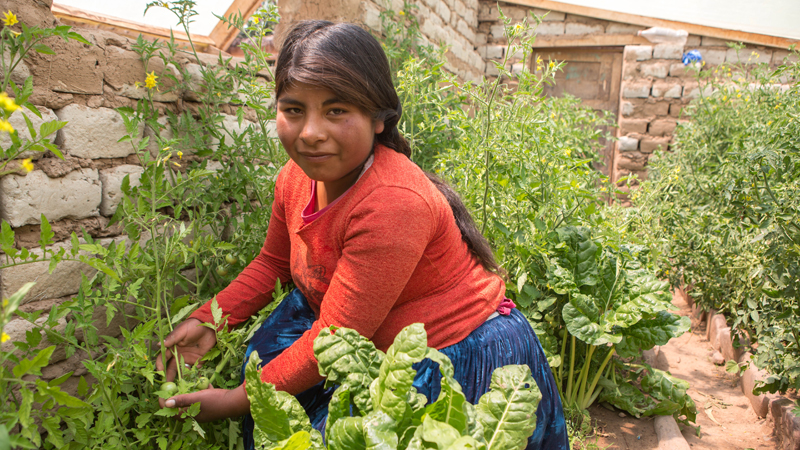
(7, 103)
(5, 126)
(180, 155)
(137, 85)
(4, 337)
(176, 164)
(552, 64)
(402, 13)
(255, 19)
(27, 165)
(9, 19)
(5, 302)
(150, 81)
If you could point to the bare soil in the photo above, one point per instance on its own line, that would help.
(724, 414)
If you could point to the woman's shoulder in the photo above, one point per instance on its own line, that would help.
(393, 169)
(290, 178)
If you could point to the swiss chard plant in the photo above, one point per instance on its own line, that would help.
(605, 302)
(376, 406)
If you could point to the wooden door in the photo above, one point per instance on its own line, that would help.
(592, 74)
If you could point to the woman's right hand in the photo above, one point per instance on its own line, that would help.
(191, 340)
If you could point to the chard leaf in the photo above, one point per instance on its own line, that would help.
(669, 390)
(626, 397)
(348, 359)
(380, 431)
(580, 255)
(663, 408)
(650, 294)
(449, 407)
(338, 407)
(650, 332)
(508, 411)
(391, 391)
(347, 434)
(277, 415)
(612, 281)
(299, 441)
(626, 315)
(433, 434)
(346, 355)
(582, 316)
(474, 426)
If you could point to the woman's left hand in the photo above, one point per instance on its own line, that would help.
(215, 404)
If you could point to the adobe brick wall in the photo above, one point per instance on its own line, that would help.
(655, 84)
(449, 22)
(81, 84)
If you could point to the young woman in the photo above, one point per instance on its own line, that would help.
(371, 242)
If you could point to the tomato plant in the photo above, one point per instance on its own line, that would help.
(724, 208)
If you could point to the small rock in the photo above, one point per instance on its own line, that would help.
(622, 414)
(717, 358)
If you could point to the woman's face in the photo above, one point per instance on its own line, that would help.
(328, 138)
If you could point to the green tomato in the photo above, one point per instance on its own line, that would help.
(231, 259)
(169, 387)
(206, 263)
(549, 318)
(202, 383)
(222, 271)
(562, 333)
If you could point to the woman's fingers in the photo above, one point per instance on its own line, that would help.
(177, 335)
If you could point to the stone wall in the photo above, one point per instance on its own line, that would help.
(656, 87)
(655, 84)
(83, 85)
(442, 22)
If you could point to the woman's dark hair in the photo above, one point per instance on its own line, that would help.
(347, 60)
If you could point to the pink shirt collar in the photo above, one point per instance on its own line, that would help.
(308, 215)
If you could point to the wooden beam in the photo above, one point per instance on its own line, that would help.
(85, 17)
(599, 40)
(702, 30)
(222, 34)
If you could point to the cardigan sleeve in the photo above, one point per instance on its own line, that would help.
(252, 289)
(384, 240)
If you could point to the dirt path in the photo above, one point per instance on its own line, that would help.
(724, 414)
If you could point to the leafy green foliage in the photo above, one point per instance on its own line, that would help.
(722, 209)
(504, 418)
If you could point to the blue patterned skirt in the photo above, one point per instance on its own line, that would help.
(498, 342)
